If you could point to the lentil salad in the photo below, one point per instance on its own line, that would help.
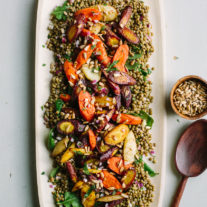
(70, 126)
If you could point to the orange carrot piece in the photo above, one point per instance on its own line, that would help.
(92, 139)
(110, 181)
(99, 48)
(87, 109)
(114, 164)
(70, 72)
(83, 56)
(65, 97)
(121, 55)
(127, 119)
(93, 14)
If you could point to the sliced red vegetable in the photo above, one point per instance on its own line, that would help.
(127, 119)
(72, 171)
(86, 106)
(114, 87)
(92, 139)
(70, 73)
(118, 102)
(109, 153)
(125, 16)
(65, 97)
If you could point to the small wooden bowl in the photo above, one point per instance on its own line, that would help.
(190, 77)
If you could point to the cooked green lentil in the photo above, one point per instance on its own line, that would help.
(141, 192)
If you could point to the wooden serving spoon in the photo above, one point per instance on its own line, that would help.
(191, 155)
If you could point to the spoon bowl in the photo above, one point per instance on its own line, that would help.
(190, 156)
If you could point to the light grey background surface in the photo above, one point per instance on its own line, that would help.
(186, 38)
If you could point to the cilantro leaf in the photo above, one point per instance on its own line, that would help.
(111, 67)
(54, 172)
(135, 66)
(59, 104)
(85, 169)
(145, 73)
(58, 12)
(71, 200)
(149, 170)
(89, 191)
(67, 57)
(135, 57)
(51, 140)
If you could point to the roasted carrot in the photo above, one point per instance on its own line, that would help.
(110, 181)
(65, 97)
(121, 55)
(127, 119)
(116, 164)
(87, 108)
(100, 50)
(90, 14)
(92, 139)
(83, 56)
(70, 73)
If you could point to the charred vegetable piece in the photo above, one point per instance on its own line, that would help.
(128, 178)
(92, 13)
(68, 154)
(77, 89)
(121, 78)
(114, 87)
(117, 135)
(110, 181)
(70, 73)
(72, 172)
(106, 155)
(118, 102)
(92, 139)
(130, 148)
(128, 34)
(121, 57)
(65, 97)
(97, 113)
(96, 28)
(91, 74)
(60, 147)
(110, 198)
(89, 201)
(112, 40)
(86, 106)
(117, 165)
(77, 186)
(70, 110)
(105, 101)
(101, 89)
(83, 56)
(126, 95)
(65, 127)
(127, 119)
(109, 13)
(105, 120)
(101, 147)
(125, 16)
(115, 203)
(85, 188)
(74, 31)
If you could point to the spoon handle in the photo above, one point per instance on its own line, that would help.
(179, 192)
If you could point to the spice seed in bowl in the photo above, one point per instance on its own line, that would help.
(190, 98)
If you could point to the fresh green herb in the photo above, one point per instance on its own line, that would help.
(89, 90)
(98, 53)
(145, 73)
(85, 169)
(111, 67)
(54, 172)
(78, 153)
(137, 161)
(59, 11)
(43, 173)
(178, 120)
(136, 49)
(89, 191)
(59, 104)
(43, 64)
(51, 140)
(42, 107)
(103, 28)
(135, 57)
(68, 57)
(99, 88)
(134, 67)
(43, 46)
(70, 200)
(48, 36)
(149, 170)
(93, 47)
(116, 190)
(149, 120)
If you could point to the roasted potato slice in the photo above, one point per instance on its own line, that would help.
(109, 13)
(130, 148)
(105, 101)
(126, 95)
(117, 135)
(128, 178)
(110, 198)
(60, 147)
(90, 73)
(121, 78)
(125, 16)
